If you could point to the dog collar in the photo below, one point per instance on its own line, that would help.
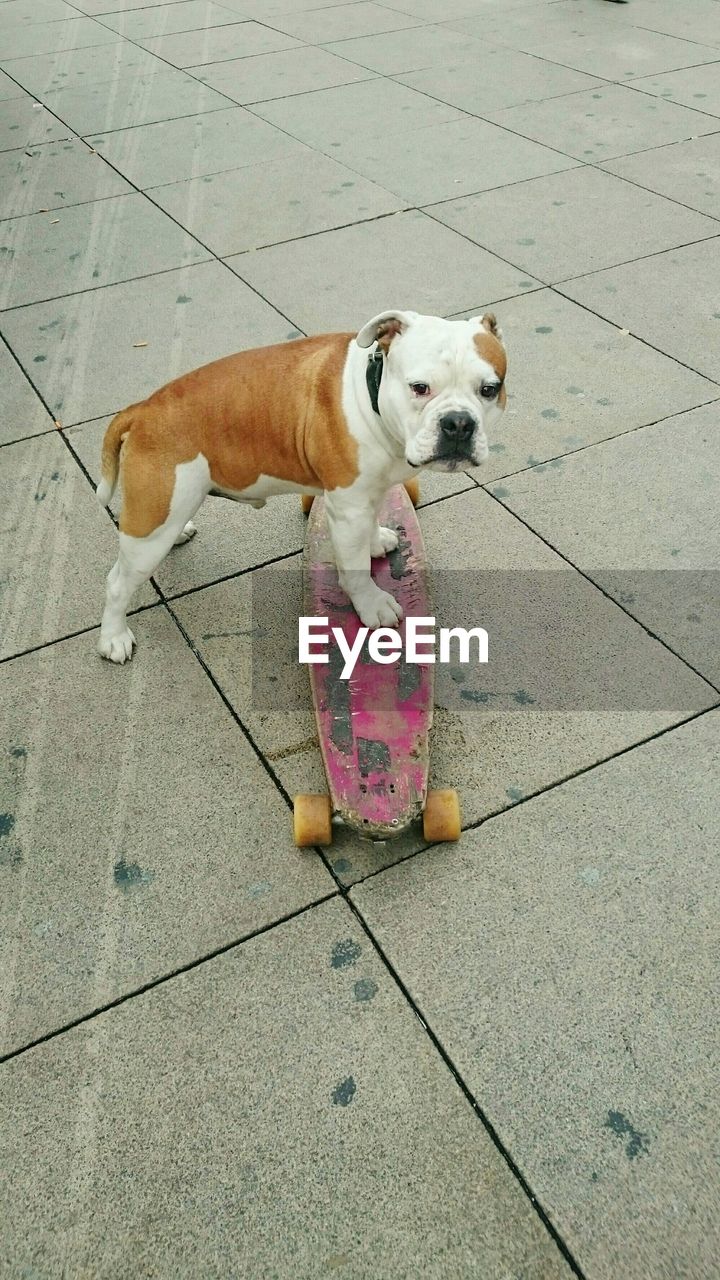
(373, 376)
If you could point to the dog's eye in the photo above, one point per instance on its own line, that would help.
(489, 390)
(420, 389)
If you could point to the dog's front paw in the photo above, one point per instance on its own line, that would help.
(384, 540)
(117, 648)
(379, 610)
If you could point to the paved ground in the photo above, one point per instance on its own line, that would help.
(225, 1058)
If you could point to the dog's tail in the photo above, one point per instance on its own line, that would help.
(112, 444)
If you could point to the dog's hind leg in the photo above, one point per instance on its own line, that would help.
(116, 639)
(187, 533)
(140, 556)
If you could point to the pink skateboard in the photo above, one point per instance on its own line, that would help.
(374, 726)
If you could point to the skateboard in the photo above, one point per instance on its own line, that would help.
(374, 727)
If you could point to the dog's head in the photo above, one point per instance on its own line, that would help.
(442, 386)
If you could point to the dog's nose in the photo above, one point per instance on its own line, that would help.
(457, 426)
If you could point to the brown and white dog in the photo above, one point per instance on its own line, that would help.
(312, 415)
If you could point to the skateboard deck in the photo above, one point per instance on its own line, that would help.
(374, 726)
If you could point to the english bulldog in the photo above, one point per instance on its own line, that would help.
(348, 415)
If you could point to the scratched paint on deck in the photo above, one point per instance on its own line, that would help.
(374, 726)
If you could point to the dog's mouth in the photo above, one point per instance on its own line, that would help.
(448, 452)
(450, 459)
(447, 461)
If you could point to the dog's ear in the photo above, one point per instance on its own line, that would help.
(489, 322)
(384, 327)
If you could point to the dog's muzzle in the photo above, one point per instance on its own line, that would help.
(455, 438)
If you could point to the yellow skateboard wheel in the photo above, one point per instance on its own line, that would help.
(441, 816)
(312, 820)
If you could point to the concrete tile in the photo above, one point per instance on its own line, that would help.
(341, 22)
(21, 411)
(515, 26)
(171, 150)
(435, 485)
(695, 23)
(231, 538)
(699, 23)
(88, 246)
(166, 19)
(697, 87)
(498, 751)
(75, 68)
(448, 10)
(410, 50)
(670, 543)
(686, 171)
(116, 8)
(276, 201)
(54, 176)
(299, 1049)
(261, 9)
(29, 39)
(9, 89)
(58, 547)
(493, 751)
(154, 855)
(450, 159)
(604, 123)
(24, 13)
(563, 955)
(163, 95)
(91, 365)
(574, 379)
(636, 295)
(280, 75)
(308, 279)
(600, 46)
(328, 117)
(26, 123)
(219, 44)
(221, 621)
(556, 227)
(509, 79)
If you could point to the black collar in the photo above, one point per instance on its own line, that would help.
(373, 375)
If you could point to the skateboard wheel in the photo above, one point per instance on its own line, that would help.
(306, 501)
(413, 491)
(312, 820)
(441, 816)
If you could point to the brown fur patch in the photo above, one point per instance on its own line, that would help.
(271, 411)
(491, 349)
(387, 330)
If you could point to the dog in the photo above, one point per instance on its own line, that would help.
(309, 416)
